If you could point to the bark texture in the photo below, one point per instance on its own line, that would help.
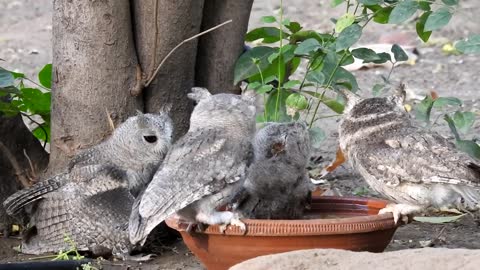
(14, 164)
(94, 71)
(175, 21)
(219, 49)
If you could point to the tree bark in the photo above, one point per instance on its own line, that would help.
(18, 147)
(94, 71)
(219, 50)
(175, 21)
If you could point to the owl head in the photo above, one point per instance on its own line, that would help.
(233, 113)
(147, 137)
(369, 120)
(290, 140)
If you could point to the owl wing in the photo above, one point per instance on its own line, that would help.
(200, 164)
(419, 157)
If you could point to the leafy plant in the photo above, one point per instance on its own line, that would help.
(17, 98)
(285, 45)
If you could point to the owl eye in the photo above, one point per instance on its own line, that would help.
(150, 139)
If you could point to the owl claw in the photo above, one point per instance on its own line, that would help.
(236, 222)
(400, 211)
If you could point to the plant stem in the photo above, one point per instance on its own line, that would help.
(264, 95)
(280, 62)
(329, 82)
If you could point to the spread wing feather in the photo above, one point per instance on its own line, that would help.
(199, 164)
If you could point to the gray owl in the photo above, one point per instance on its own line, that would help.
(200, 171)
(91, 202)
(416, 168)
(277, 185)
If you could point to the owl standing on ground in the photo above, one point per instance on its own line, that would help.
(277, 185)
(416, 168)
(91, 202)
(202, 168)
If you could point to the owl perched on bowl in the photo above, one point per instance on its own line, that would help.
(416, 168)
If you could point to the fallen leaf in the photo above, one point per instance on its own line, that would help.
(438, 220)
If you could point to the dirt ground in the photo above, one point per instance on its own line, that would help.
(25, 46)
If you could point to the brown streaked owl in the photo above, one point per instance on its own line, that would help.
(416, 168)
(277, 185)
(91, 202)
(202, 168)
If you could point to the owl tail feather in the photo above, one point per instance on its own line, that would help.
(22, 198)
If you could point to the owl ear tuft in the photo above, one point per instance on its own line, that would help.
(199, 93)
(351, 99)
(399, 95)
(142, 121)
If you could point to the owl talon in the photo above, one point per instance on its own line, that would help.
(236, 222)
(400, 211)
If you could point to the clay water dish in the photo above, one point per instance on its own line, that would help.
(349, 223)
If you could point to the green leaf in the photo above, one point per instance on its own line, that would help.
(17, 75)
(268, 34)
(291, 84)
(424, 5)
(317, 136)
(403, 11)
(264, 89)
(365, 54)
(438, 220)
(348, 37)
(268, 19)
(297, 101)
(307, 46)
(8, 109)
(469, 45)
(254, 85)
(378, 89)
(271, 105)
(330, 103)
(42, 134)
(6, 78)
(36, 101)
(245, 66)
(383, 15)
(315, 76)
(424, 109)
(335, 3)
(438, 19)
(469, 147)
(9, 90)
(344, 21)
(450, 2)
(399, 53)
(370, 2)
(45, 76)
(420, 27)
(452, 127)
(464, 121)
(443, 101)
(294, 27)
(384, 57)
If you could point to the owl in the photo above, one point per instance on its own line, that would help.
(416, 168)
(202, 168)
(277, 185)
(91, 201)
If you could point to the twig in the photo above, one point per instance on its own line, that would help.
(178, 46)
(40, 126)
(109, 119)
(34, 175)
(16, 167)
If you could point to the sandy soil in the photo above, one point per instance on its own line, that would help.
(25, 46)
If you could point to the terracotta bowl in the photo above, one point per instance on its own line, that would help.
(332, 222)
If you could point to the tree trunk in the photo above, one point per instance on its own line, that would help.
(18, 148)
(94, 71)
(175, 21)
(219, 50)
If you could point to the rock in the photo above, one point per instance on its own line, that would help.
(411, 259)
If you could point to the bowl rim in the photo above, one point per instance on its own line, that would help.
(306, 227)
